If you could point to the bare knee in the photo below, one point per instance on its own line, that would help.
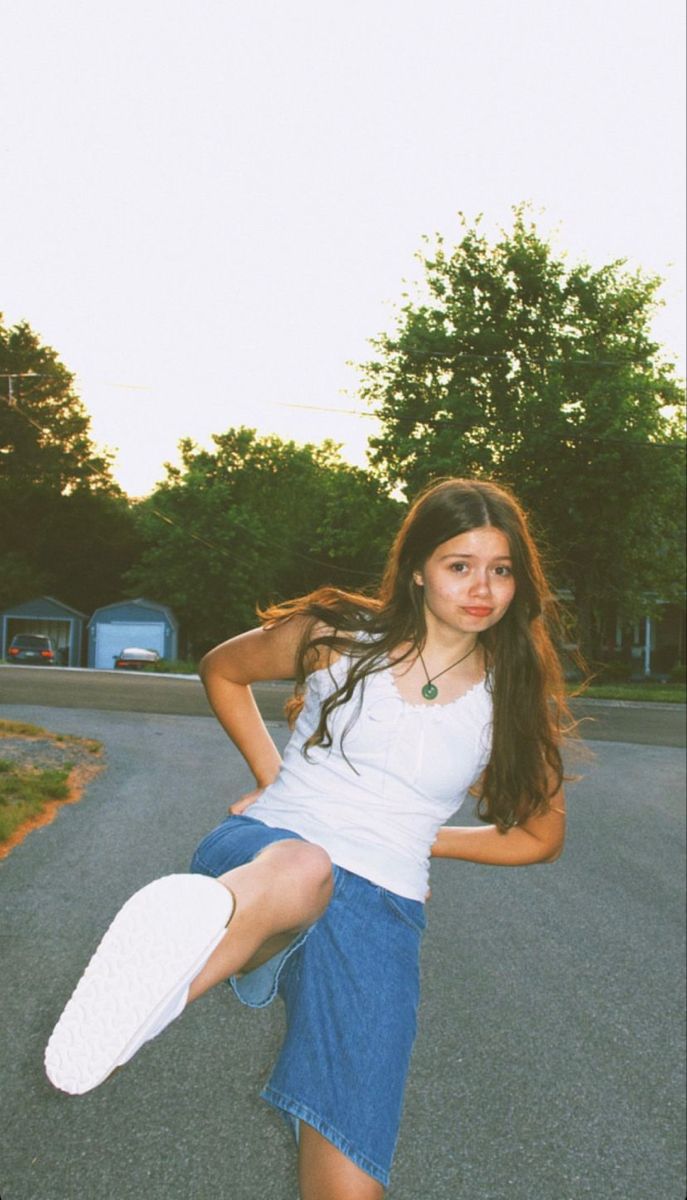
(305, 867)
(289, 884)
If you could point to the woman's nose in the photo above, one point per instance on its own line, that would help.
(480, 584)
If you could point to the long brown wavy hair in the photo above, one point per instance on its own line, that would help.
(524, 675)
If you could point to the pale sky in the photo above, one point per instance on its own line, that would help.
(208, 207)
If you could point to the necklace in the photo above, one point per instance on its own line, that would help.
(429, 691)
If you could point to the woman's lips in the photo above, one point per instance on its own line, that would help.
(478, 612)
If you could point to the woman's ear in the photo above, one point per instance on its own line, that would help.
(417, 578)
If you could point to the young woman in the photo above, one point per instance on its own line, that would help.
(444, 683)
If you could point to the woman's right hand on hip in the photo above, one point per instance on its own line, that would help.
(245, 802)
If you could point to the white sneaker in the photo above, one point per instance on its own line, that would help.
(137, 981)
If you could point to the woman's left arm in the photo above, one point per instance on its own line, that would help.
(538, 840)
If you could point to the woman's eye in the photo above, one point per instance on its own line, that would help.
(459, 567)
(504, 570)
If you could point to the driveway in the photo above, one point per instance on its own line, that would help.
(549, 1061)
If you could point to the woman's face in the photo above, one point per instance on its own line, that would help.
(468, 581)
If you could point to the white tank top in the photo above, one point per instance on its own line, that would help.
(414, 765)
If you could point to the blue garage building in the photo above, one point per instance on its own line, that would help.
(142, 623)
(50, 618)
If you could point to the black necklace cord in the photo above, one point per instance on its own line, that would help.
(429, 691)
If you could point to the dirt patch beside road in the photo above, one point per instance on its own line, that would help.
(30, 753)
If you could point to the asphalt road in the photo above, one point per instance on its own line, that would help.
(549, 1061)
(130, 691)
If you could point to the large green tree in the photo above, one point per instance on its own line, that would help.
(514, 364)
(253, 520)
(44, 427)
(66, 528)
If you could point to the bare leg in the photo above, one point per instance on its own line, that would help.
(323, 1171)
(280, 893)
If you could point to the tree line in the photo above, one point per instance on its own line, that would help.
(506, 363)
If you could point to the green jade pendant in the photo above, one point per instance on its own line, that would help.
(429, 691)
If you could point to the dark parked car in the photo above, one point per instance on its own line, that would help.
(133, 659)
(31, 648)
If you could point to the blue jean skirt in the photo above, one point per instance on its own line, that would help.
(350, 985)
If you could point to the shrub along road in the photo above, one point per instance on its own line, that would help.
(549, 1056)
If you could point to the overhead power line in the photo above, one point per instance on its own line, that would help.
(438, 422)
(505, 356)
(268, 543)
(430, 422)
(96, 470)
(261, 540)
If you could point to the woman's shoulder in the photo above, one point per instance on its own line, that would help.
(329, 643)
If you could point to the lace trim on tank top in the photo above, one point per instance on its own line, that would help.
(387, 678)
(388, 675)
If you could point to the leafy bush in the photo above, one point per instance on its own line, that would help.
(615, 671)
(174, 666)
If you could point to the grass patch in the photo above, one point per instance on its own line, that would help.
(25, 792)
(174, 666)
(23, 729)
(20, 728)
(664, 693)
(65, 739)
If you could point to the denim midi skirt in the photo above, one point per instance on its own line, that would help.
(350, 985)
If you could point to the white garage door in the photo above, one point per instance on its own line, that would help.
(110, 639)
